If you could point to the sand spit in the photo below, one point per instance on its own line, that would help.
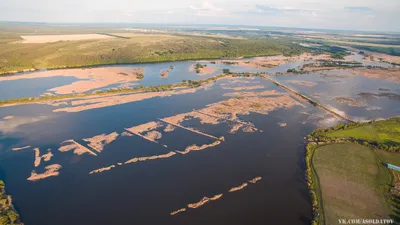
(51, 170)
(255, 180)
(145, 127)
(282, 124)
(390, 74)
(235, 128)
(89, 78)
(255, 87)
(254, 94)
(169, 128)
(203, 71)
(302, 82)
(204, 201)
(99, 141)
(238, 188)
(37, 157)
(78, 149)
(198, 148)
(47, 157)
(177, 211)
(8, 117)
(187, 91)
(102, 169)
(89, 103)
(140, 159)
(351, 101)
(21, 148)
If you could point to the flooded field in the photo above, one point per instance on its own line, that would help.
(183, 156)
(358, 97)
(87, 80)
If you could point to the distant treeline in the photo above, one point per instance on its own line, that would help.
(66, 54)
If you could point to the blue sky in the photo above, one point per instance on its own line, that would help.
(375, 15)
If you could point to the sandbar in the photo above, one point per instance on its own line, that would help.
(51, 170)
(21, 148)
(89, 78)
(98, 142)
(76, 147)
(102, 169)
(238, 188)
(199, 148)
(204, 201)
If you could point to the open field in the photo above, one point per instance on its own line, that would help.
(378, 131)
(63, 37)
(350, 179)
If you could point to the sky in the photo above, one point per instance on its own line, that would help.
(371, 15)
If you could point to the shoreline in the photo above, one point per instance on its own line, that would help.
(317, 139)
(32, 70)
(110, 92)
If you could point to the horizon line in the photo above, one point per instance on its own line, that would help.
(194, 24)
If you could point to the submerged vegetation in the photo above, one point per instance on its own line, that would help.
(8, 215)
(198, 67)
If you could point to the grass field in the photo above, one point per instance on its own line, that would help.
(377, 131)
(351, 181)
(138, 48)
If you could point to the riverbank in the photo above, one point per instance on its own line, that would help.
(8, 215)
(116, 91)
(345, 168)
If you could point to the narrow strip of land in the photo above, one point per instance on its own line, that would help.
(315, 103)
(190, 129)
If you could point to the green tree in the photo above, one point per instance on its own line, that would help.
(13, 217)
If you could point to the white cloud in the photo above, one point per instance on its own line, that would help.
(209, 9)
(12, 124)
